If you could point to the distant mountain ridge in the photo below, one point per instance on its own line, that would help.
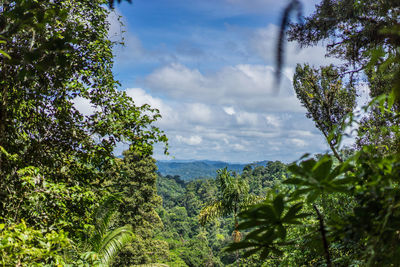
(194, 169)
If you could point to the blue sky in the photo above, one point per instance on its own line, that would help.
(208, 67)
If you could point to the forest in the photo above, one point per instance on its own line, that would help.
(66, 199)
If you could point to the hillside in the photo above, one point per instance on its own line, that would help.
(189, 243)
(189, 170)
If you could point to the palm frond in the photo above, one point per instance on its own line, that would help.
(105, 242)
(114, 242)
(250, 200)
(210, 212)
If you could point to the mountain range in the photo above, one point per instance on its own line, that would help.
(197, 169)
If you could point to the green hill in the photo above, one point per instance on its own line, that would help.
(189, 170)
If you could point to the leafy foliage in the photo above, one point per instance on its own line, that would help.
(60, 52)
(271, 225)
(134, 178)
(182, 203)
(56, 161)
(21, 245)
(327, 99)
(355, 199)
(105, 243)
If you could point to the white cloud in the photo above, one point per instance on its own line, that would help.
(239, 147)
(192, 140)
(84, 106)
(198, 112)
(214, 86)
(298, 142)
(140, 97)
(248, 87)
(301, 133)
(273, 121)
(247, 118)
(229, 110)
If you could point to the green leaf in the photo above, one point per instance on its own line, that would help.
(294, 181)
(312, 196)
(281, 231)
(278, 205)
(293, 210)
(322, 168)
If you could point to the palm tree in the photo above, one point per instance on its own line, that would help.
(233, 196)
(105, 243)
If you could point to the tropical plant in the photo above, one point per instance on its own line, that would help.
(270, 219)
(60, 54)
(364, 233)
(232, 197)
(105, 242)
(328, 100)
(21, 245)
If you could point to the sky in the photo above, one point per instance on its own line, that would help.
(208, 66)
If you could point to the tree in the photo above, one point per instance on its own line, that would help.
(59, 52)
(327, 99)
(135, 179)
(233, 195)
(365, 33)
(352, 29)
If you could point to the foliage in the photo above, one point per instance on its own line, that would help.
(134, 178)
(262, 178)
(327, 99)
(182, 203)
(60, 53)
(364, 35)
(345, 213)
(105, 242)
(55, 160)
(21, 245)
(271, 223)
(233, 194)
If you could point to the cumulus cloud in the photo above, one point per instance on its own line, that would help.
(198, 113)
(272, 120)
(249, 87)
(141, 97)
(84, 106)
(298, 142)
(214, 86)
(229, 110)
(192, 140)
(247, 118)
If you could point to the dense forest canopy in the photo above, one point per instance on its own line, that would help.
(67, 200)
(55, 162)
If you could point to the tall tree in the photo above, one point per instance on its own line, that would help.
(327, 100)
(135, 179)
(233, 196)
(53, 158)
(364, 35)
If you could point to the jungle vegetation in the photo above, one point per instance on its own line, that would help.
(67, 200)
